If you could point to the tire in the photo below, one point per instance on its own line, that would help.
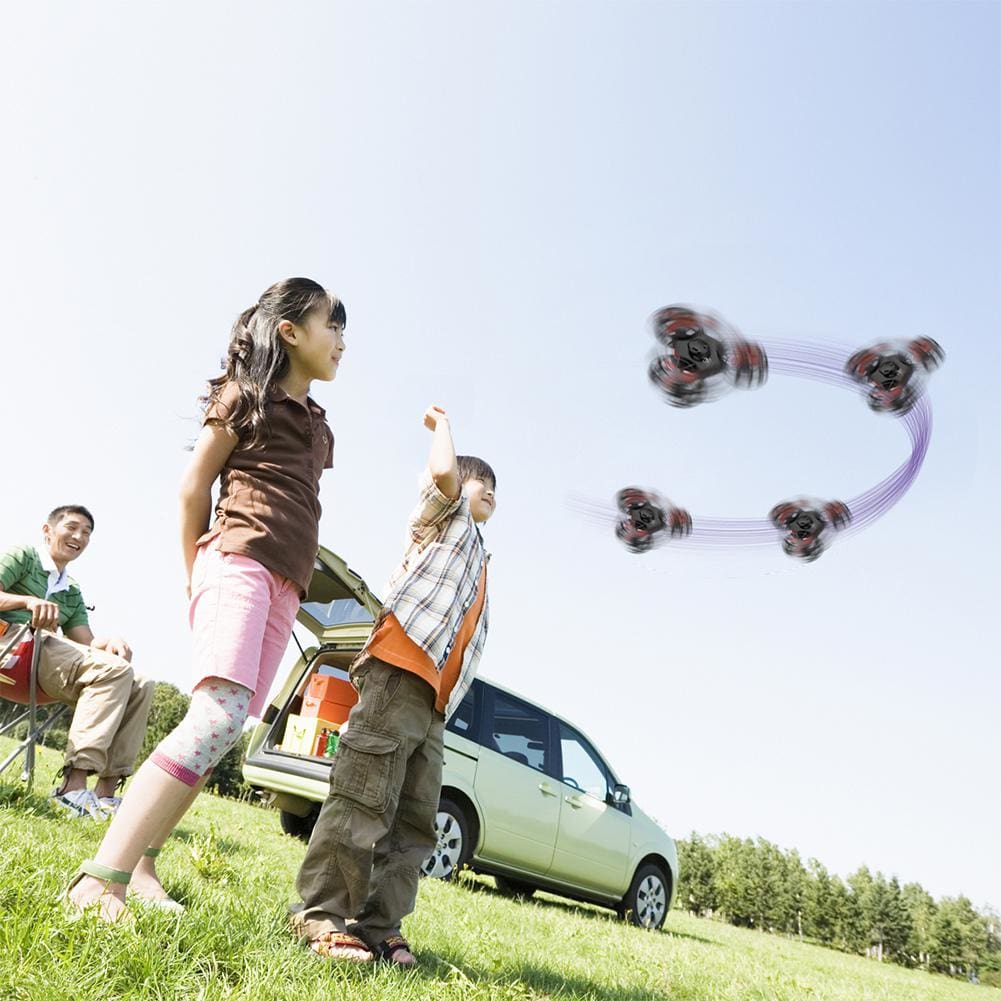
(513, 888)
(453, 849)
(299, 827)
(645, 903)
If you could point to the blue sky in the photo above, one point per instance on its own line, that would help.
(502, 194)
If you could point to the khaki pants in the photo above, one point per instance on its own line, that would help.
(111, 704)
(377, 824)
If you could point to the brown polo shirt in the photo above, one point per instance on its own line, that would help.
(269, 508)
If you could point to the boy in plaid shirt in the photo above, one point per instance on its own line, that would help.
(377, 824)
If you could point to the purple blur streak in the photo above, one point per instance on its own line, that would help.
(824, 363)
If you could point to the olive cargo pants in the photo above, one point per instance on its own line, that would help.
(377, 824)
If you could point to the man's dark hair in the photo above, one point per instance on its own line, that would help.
(472, 468)
(57, 514)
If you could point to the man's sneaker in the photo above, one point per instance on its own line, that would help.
(81, 803)
(110, 804)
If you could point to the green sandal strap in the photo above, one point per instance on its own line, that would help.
(91, 868)
(152, 852)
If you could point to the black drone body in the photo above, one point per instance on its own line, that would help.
(647, 519)
(702, 355)
(808, 526)
(892, 374)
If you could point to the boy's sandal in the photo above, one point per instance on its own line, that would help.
(341, 945)
(388, 951)
(97, 871)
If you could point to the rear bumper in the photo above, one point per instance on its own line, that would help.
(296, 781)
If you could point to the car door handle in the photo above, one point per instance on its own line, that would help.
(546, 789)
(574, 801)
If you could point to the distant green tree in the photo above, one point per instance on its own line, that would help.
(697, 884)
(858, 937)
(770, 888)
(736, 880)
(921, 911)
(960, 937)
(849, 917)
(852, 921)
(820, 908)
(947, 952)
(885, 923)
(896, 922)
(796, 880)
(876, 911)
(989, 968)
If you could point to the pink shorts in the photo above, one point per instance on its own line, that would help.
(241, 618)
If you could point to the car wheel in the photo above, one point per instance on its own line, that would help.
(299, 827)
(645, 905)
(513, 888)
(452, 849)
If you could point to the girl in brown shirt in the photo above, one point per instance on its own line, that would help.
(267, 442)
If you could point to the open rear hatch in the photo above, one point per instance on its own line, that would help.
(337, 600)
(339, 610)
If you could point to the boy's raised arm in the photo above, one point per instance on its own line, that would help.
(441, 463)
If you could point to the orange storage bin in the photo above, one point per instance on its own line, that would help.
(331, 689)
(336, 712)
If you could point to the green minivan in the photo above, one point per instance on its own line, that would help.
(525, 798)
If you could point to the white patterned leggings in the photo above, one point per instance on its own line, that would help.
(213, 724)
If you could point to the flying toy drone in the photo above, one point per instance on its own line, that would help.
(648, 519)
(704, 357)
(892, 374)
(807, 526)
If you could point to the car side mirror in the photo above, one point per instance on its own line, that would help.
(620, 795)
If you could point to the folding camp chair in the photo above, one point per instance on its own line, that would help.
(19, 650)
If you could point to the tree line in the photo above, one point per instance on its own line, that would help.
(755, 884)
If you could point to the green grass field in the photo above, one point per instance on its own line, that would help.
(234, 869)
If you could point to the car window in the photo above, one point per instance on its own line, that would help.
(463, 719)
(582, 768)
(337, 612)
(518, 731)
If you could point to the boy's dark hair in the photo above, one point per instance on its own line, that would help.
(57, 514)
(257, 359)
(473, 468)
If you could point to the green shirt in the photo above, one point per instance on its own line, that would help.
(21, 572)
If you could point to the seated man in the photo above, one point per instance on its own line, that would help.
(111, 703)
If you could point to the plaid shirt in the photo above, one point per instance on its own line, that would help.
(435, 585)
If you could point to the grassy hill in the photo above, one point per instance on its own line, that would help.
(232, 866)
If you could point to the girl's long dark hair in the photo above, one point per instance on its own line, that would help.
(257, 359)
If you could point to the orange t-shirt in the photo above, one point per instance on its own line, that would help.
(390, 643)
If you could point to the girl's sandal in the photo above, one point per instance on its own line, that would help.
(108, 875)
(391, 950)
(341, 945)
(167, 904)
